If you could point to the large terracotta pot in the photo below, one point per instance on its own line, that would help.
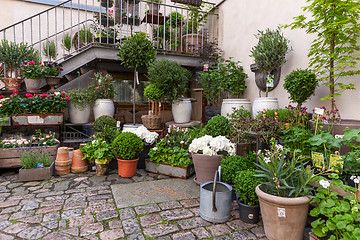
(104, 107)
(12, 83)
(78, 164)
(283, 218)
(32, 85)
(205, 166)
(127, 168)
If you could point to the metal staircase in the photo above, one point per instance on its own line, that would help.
(87, 33)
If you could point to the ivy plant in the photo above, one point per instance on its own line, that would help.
(334, 53)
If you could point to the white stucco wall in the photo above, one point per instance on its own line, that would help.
(239, 20)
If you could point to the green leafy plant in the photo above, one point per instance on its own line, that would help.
(102, 86)
(152, 92)
(85, 36)
(81, 97)
(127, 146)
(341, 215)
(245, 184)
(297, 138)
(351, 163)
(231, 165)
(289, 114)
(32, 70)
(104, 121)
(30, 158)
(97, 150)
(225, 75)
(49, 50)
(333, 23)
(52, 69)
(170, 77)
(300, 84)
(218, 126)
(66, 42)
(240, 123)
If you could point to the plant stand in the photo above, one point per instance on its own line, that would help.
(168, 170)
(36, 174)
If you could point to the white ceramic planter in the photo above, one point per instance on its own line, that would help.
(264, 103)
(228, 105)
(104, 107)
(181, 110)
(78, 116)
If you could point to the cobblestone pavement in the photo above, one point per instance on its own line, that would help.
(81, 206)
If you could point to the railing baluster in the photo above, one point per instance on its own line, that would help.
(56, 43)
(40, 38)
(47, 39)
(78, 6)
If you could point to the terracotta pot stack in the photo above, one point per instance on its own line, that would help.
(78, 164)
(62, 161)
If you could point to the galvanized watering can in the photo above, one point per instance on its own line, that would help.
(215, 201)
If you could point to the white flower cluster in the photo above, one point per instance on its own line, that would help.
(143, 133)
(209, 145)
(324, 183)
(356, 179)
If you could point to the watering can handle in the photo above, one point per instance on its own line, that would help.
(219, 169)
(214, 209)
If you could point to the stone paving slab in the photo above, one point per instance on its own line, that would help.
(154, 192)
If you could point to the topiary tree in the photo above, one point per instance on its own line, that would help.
(135, 52)
(244, 185)
(300, 84)
(104, 121)
(154, 94)
(334, 53)
(127, 146)
(218, 126)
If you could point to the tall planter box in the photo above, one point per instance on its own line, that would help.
(37, 119)
(36, 174)
(168, 170)
(10, 157)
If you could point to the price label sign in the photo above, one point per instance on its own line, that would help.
(319, 111)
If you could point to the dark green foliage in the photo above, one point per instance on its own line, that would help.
(170, 77)
(49, 50)
(127, 146)
(231, 165)
(297, 138)
(66, 42)
(104, 121)
(300, 84)
(244, 185)
(152, 92)
(269, 53)
(351, 163)
(218, 126)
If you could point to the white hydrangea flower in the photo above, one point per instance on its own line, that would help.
(212, 145)
(143, 133)
(324, 183)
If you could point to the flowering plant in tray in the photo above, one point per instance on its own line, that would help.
(211, 146)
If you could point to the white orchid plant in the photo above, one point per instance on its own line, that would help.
(142, 132)
(211, 146)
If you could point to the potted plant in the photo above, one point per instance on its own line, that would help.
(300, 84)
(12, 55)
(82, 38)
(51, 73)
(269, 55)
(171, 78)
(36, 165)
(154, 94)
(244, 185)
(217, 126)
(33, 73)
(66, 44)
(126, 148)
(231, 165)
(49, 50)
(103, 122)
(135, 52)
(283, 193)
(228, 76)
(4, 121)
(207, 152)
(103, 89)
(80, 104)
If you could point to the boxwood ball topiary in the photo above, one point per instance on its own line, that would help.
(231, 165)
(104, 121)
(218, 126)
(127, 146)
(244, 185)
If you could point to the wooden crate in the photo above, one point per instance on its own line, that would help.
(168, 170)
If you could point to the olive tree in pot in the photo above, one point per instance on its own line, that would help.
(269, 55)
(126, 148)
(135, 52)
(228, 76)
(81, 100)
(171, 78)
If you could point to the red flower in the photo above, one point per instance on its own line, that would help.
(67, 98)
(13, 94)
(39, 62)
(15, 91)
(44, 95)
(41, 65)
(62, 94)
(28, 95)
(49, 96)
(31, 63)
(1, 96)
(23, 65)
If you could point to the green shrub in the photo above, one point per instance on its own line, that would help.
(218, 126)
(104, 121)
(233, 164)
(127, 146)
(152, 92)
(31, 157)
(244, 185)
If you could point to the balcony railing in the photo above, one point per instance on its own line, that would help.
(74, 25)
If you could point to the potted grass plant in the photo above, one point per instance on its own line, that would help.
(80, 105)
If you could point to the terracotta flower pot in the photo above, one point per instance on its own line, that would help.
(127, 168)
(62, 162)
(205, 166)
(32, 85)
(78, 164)
(283, 218)
(12, 83)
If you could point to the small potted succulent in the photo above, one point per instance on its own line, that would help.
(80, 105)
(51, 73)
(36, 165)
(126, 147)
(248, 202)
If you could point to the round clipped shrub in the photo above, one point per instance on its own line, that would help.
(152, 92)
(127, 146)
(244, 185)
(218, 126)
(104, 121)
(231, 165)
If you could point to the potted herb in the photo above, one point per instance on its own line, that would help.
(49, 50)
(51, 73)
(66, 44)
(300, 84)
(217, 126)
(126, 148)
(103, 122)
(36, 165)
(12, 55)
(103, 89)
(33, 73)
(154, 94)
(244, 184)
(269, 54)
(228, 76)
(82, 38)
(231, 165)
(80, 105)
(207, 152)
(171, 78)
